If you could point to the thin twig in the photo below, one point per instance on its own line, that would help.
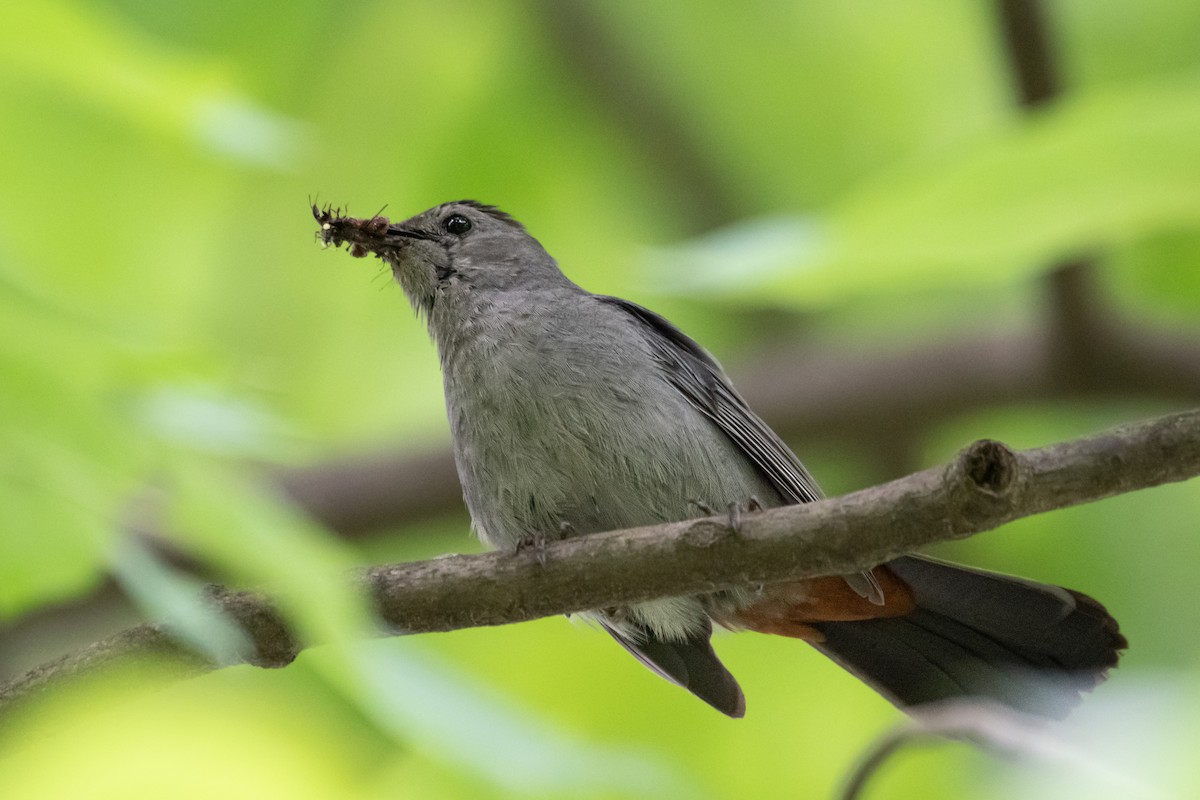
(1027, 40)
(993, 727)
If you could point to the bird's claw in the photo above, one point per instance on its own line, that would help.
(532, 543)
(753, 506)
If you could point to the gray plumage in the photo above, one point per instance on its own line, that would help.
(565, 407)
(574, 413)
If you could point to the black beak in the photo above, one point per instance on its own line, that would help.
(396, 230)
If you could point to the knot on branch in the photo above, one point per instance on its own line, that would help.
(990, 465)
(704, 534)
(981, 485)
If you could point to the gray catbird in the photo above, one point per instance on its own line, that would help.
(574, 413)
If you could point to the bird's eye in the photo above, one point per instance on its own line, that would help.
(456, 224)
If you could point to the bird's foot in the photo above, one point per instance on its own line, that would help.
(734, 510)
(753, 506)
(532, 543)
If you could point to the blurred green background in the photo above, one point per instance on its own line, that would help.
(851, 179)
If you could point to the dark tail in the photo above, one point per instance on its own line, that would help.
(975, 634)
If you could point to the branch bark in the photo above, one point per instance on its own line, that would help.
(984, 487)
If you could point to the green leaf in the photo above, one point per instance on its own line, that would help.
(48, 544)
(454, 717)
(109, 739)
(260, 541)
(1101, 170)
(68, 457)
(177, 599)
(162, 90)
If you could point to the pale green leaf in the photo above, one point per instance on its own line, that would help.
(160, 90)
(1101, 170)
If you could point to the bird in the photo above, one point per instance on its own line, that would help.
(574, 413)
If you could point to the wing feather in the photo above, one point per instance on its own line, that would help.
(698, 376)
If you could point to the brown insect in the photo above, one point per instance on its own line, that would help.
(363, 235)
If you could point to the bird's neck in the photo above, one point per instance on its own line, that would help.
(478, 326)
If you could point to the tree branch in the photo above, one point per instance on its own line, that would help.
(984, 487)
(827, 395)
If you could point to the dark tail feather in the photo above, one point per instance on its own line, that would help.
(691, 664)
(1030, 646)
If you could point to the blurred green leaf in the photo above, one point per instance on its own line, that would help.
(792, 103)
(178, 601)
(50, 549)
(194, 740)
(1099, 170)
(1134, 741)
(1159, 277)
(67, 454)
(167, 329)
(451, 716)
(154, 87)
(259, 540)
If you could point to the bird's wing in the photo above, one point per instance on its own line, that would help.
(691, 664)
(695, 373)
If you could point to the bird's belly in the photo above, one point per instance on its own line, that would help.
(545, 463)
